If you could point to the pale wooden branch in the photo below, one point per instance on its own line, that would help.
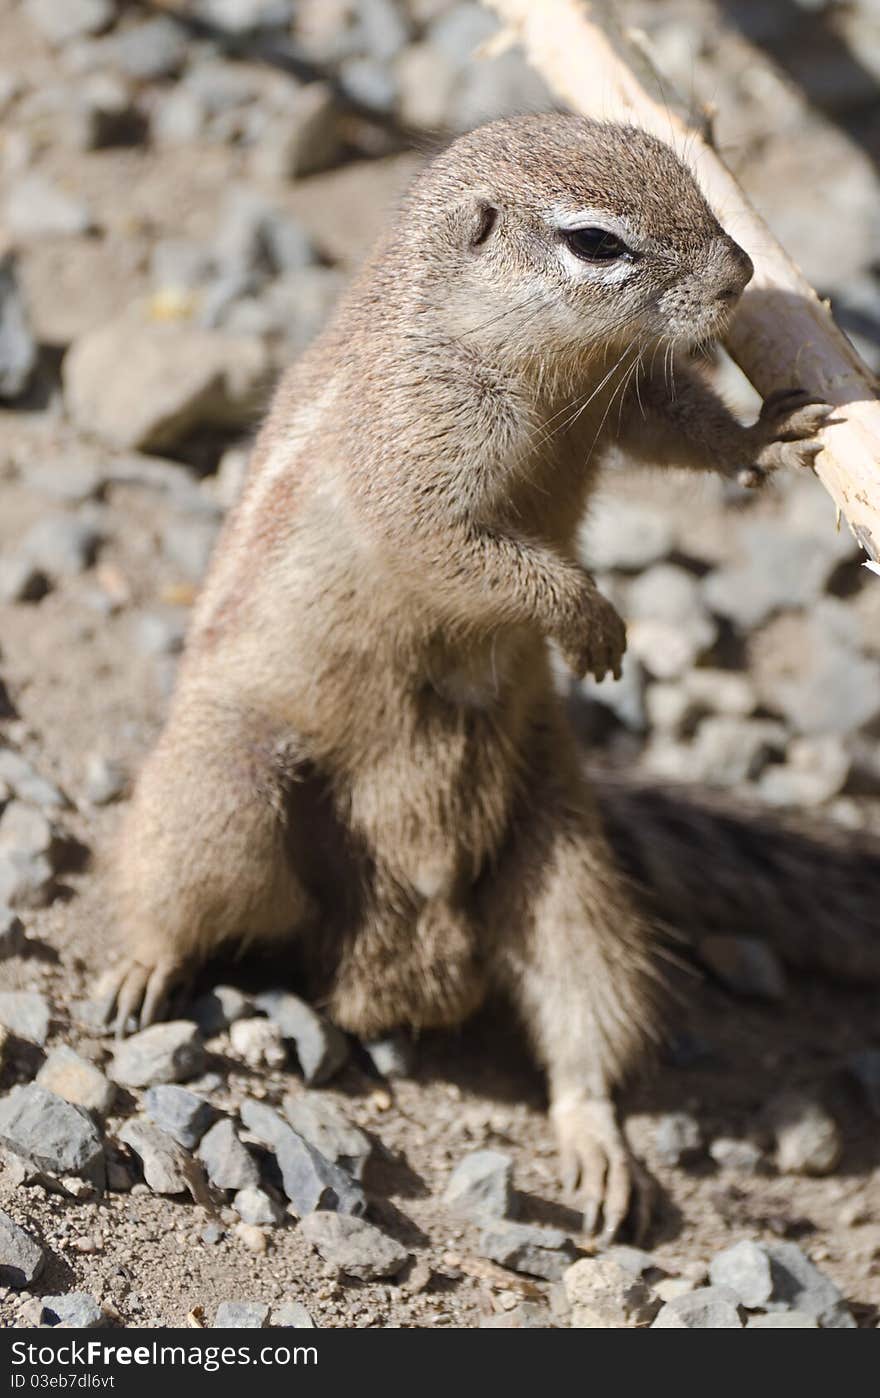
(783, 334)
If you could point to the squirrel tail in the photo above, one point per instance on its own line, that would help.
(811, 890)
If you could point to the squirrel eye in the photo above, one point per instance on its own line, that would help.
(595, 244)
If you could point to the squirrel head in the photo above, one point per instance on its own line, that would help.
(554, 236)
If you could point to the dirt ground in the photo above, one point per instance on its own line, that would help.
(81, 682)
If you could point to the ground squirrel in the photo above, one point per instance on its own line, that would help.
(365, 751)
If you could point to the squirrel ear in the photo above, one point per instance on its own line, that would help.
(484, 216)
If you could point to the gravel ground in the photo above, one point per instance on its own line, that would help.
(170, 200)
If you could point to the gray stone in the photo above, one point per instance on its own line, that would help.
(259, 1042)
(105, 780)
(20, 578)
(635, 1261)
(164, 1164)
(18, 348)
(180, 265)
(241, 1315)
(76, 1080)
(26, 1013)
(799, 1285)
(624, 534)
(50, 1135)
(481, 1186)
(808, 1140)
(18, 773)
(732, 1154)
(392, 1056)
(312, 1182)
(170, 1052)
(256, 240)
(745, 965)
(319, 1120)
(810, 669)
(160, 633)
(865, 1069)
(61, 545)
(255, 1206)
(526, 1247)
(305, 140)
(154, 49)
(527, 1315)
(815, 770)
(181, 1113)
(744, 1269)
(228, 1162)
(320, 1047)
(21, 1257)
(60, 21)
(219, 1008)
(678, 1138)
(188, 544)
(26, 881)
(264, 1123)
(605, 1296)
(708, 1308)
(25, 830)
(37, 208)
(292, 1315)
(245, 16)
(149, 385)
(76, 1310)
(668, 624)
(356, 1248)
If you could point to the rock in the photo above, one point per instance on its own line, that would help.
(320, 1047)
(708, 1308)
(392, 1057)
(799, 1285)
(163, 1053)
(810, 669)
(26, 881)
(255, 1206)
(864, 1067)
(312, 1182)
(808, 1139)
(317, 1118)
(21, 1257)
(160, 633)
(26, 1013)
(746, 965)
(60, 21)
(50, 1135)
(61, 545)
(814, 771)
(720, 692)
(264, 1123)
(731, 1154)
(12, 938)
(305, 140)
(670, 1288)
(257, 241)
(20, 579)
(526, 1247)
(105, 780)
(678, 1138)
(635, 1261)
(18, 348)
(245, 16)
(37, 208)
(229, 1164)
(220, 1008)
(780, 570)
(179, 1112)
(147, 52)
(188, 544)
(725, 751)
(241, 1315)
(258, 1042)
(604, 1296)
(356, 1248)
(18, 773)
(26, 831)
(744, 1269)
(668, 625)
(77, 1310)
(76, 1080)
(782, 1320)
(481, 1186)
(148, 386)
(164, 1164)
(292, 1315)
(626, 535)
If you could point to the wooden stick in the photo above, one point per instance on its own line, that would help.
(783, 335)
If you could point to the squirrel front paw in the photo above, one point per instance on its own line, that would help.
(784, 434)
(595, 642)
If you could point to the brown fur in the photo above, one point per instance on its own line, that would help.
(365, 751)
